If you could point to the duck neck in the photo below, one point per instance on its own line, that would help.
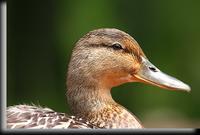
(88, 96)
(89, 100)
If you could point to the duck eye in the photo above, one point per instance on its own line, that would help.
(116, 46)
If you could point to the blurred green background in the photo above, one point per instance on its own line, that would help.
(41, 35)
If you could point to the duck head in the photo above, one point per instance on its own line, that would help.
(102, 59)
(110, 57)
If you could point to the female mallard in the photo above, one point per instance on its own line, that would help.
(102, 59)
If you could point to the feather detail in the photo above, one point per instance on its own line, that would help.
(36, 117)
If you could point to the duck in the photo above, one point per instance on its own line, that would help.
(102, 59)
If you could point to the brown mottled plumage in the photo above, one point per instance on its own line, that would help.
(35, 117)
(102, 59)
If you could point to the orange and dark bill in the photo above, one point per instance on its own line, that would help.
(150, 74)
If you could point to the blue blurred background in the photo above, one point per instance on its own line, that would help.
(41, 35)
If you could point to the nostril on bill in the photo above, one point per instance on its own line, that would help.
(153, 69)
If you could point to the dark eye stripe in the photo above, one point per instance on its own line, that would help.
(117, 46)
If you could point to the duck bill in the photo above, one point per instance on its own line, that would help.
(150, 74)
